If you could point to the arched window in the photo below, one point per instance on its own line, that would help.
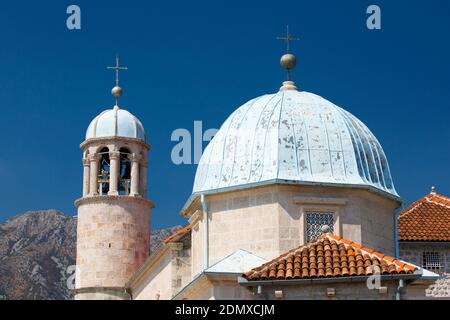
(104, 171)
(125, 172)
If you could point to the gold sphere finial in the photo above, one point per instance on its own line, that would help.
(288, 61)
(116, 92)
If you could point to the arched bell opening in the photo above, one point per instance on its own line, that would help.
(104, 171)
(125, 172)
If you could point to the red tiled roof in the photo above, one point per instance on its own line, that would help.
(176, 234)
(427, 219)
(329, 256)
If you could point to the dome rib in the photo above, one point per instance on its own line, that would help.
(247, 177)
(308, 147)
(116, 123)
(115, 128)
(293, 137)
(266, 150)
(373, 170)
(328, 142)
(233, 165)
(225, 144)
(295, 146)
(257, 160)
(342, 148)
(356, 140)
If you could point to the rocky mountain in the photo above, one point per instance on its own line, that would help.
(37, 249)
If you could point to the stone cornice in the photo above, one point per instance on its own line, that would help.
(110, 198)
(321, 201)
(107, 290)
(100, 289)
(92, 141)
(195, 217)
(194, 205)
(175, 245)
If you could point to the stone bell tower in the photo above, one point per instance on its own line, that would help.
(113, 230)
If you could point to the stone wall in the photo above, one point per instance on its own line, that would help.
(165, 274)
(413, 252)
(343, 291)
(226, 287)
(156, 281)
(268, 221)
(197, 248)
(248, 220)
(360, 215)
(182, 268)
(112, 240)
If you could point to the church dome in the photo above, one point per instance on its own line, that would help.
(116, 122)
(293, 137)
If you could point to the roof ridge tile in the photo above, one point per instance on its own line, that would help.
(177, 233)
(441, 200)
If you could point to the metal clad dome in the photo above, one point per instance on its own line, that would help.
(293, 137)
(116, 123)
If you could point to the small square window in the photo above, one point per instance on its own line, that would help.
(431, 260)
(315, 221)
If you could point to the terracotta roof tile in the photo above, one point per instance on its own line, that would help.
(327, 257)
(176, 234)
(427, 219)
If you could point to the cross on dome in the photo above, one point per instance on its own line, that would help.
(288, 38)
(288, 61)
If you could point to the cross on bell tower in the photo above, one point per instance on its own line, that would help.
(117, 91)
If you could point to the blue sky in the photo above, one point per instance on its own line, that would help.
(192, 60)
